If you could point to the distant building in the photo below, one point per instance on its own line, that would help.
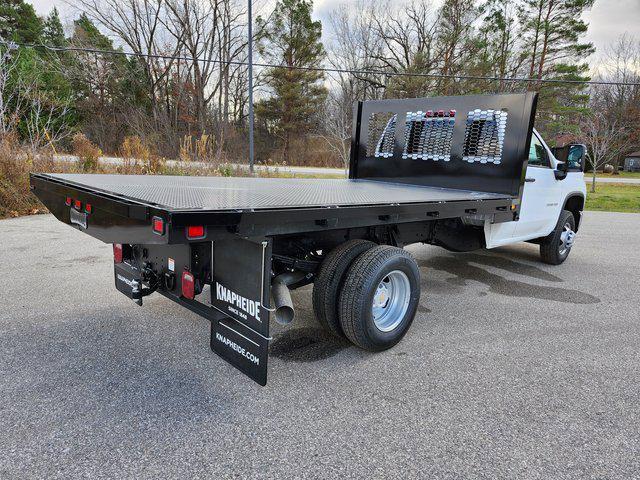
(632, 162)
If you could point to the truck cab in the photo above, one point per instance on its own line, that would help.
(554, 185)
(551, 188)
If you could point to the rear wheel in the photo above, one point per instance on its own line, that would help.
(379, 298)
(555, 248)
(326, 288)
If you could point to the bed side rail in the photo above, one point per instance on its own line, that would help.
(478, 142)
(98, 214)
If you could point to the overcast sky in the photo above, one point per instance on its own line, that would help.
(607, 19)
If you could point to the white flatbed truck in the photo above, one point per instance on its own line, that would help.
(463, 173)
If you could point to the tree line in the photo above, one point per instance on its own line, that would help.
(184, 91)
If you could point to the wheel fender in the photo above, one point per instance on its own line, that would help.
(574, 202)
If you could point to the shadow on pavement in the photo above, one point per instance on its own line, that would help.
(461, 266)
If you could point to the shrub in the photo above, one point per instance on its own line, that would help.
(134, 150)
(197, 149)
(88, 153)
(16, 162)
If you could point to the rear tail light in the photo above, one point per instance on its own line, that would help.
(188, 285)
(68, 201)
(77, 205)
(158, 225)
(88, 208)
(117, 253)
(194, 232)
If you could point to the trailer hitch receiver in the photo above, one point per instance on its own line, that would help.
(130, 280)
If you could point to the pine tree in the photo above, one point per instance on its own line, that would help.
(19, 22)
(53, 32)
(290, 37)
(552, 31)
(498, 55)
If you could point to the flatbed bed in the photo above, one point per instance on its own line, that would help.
(254, 206)
(223, 194)
(433, 170)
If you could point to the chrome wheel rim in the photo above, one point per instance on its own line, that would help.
(567, 238)
(391, 301)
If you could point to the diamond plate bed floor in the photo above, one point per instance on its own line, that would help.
(243, 193)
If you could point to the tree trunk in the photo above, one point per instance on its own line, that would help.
(545, 42)
(535, 41)
(286, 147)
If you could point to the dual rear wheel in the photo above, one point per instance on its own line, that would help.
(367, 293)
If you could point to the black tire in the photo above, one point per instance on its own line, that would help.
(552, 249)
(329, 280)
(360, 285)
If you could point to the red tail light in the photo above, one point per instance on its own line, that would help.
(68, 201)
(88, 208)
(117, 253)
(452, 113)
(188, 285)
(158, 225)
(194, 232)
(77, 204)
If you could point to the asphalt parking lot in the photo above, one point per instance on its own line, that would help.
(512, 369)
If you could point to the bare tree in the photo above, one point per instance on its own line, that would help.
(11, 99)
(354, 47)
(138, 24)
(620, 63)
(42, 121)
(605, 139)
(408, 33)
(336, 125)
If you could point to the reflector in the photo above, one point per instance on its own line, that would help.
(188, 285)
(195, 231)
(117, 253)
(158, 225)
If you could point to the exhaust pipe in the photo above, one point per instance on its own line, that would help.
(281, 294)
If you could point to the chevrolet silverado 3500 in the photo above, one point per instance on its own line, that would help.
(463, 173)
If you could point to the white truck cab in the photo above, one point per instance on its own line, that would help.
(552, 202)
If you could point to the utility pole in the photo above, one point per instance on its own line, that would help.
(250, 22)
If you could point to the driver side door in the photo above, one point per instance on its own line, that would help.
(542, 193)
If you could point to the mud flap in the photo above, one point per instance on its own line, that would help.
(241, 290)
(128, 280)
(242, 347)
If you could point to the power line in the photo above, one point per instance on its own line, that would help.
(316, 69)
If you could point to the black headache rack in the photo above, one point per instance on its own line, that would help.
(412, 161)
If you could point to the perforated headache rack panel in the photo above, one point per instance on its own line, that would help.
(475, 143)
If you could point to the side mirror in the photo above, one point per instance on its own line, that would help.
(572, 155)
(576, 156)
